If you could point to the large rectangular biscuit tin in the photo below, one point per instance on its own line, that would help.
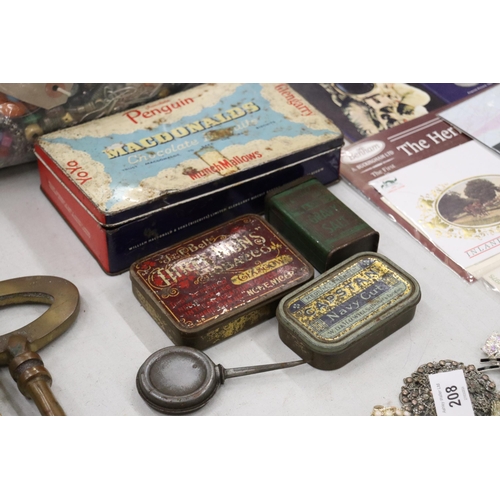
(138, 181)
(220, 282)
(317, 223)
(346, 310)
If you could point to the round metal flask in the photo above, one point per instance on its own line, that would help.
(178, 380)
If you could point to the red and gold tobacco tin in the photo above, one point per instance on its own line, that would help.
(219, 283)
(347, 310)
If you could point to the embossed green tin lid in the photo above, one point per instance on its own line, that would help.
(347, 310)
(320, 226)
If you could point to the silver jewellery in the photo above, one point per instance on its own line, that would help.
(416, 394)
(492, 346)
(492, 349)
(417, 397)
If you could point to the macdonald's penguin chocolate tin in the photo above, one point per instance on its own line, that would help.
(135, 182)
(347, 310)
(318, 224)
(220, 282)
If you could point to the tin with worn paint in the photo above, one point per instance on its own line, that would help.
(318, 224)
(138, 181)
(220, 282)
(348, 309)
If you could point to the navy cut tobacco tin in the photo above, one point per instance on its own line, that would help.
(318, 224)
(219, 283)
(347, 310)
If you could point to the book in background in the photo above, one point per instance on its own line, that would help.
(478, 116)
(439, 185)
(452, 92)
(361, 110)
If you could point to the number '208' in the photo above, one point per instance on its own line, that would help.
(453, 396)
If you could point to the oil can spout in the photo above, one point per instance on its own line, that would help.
(178, 380)
(250, 370)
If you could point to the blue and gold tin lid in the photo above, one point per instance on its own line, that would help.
(208, 137)
(347, 310)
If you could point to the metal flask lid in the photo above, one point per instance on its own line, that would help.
(178, 380)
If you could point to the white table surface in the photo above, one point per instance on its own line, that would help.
(94, 364)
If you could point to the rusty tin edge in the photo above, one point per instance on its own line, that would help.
(231, 320)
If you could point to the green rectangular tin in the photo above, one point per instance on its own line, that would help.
(348, 309)
(318, 224)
